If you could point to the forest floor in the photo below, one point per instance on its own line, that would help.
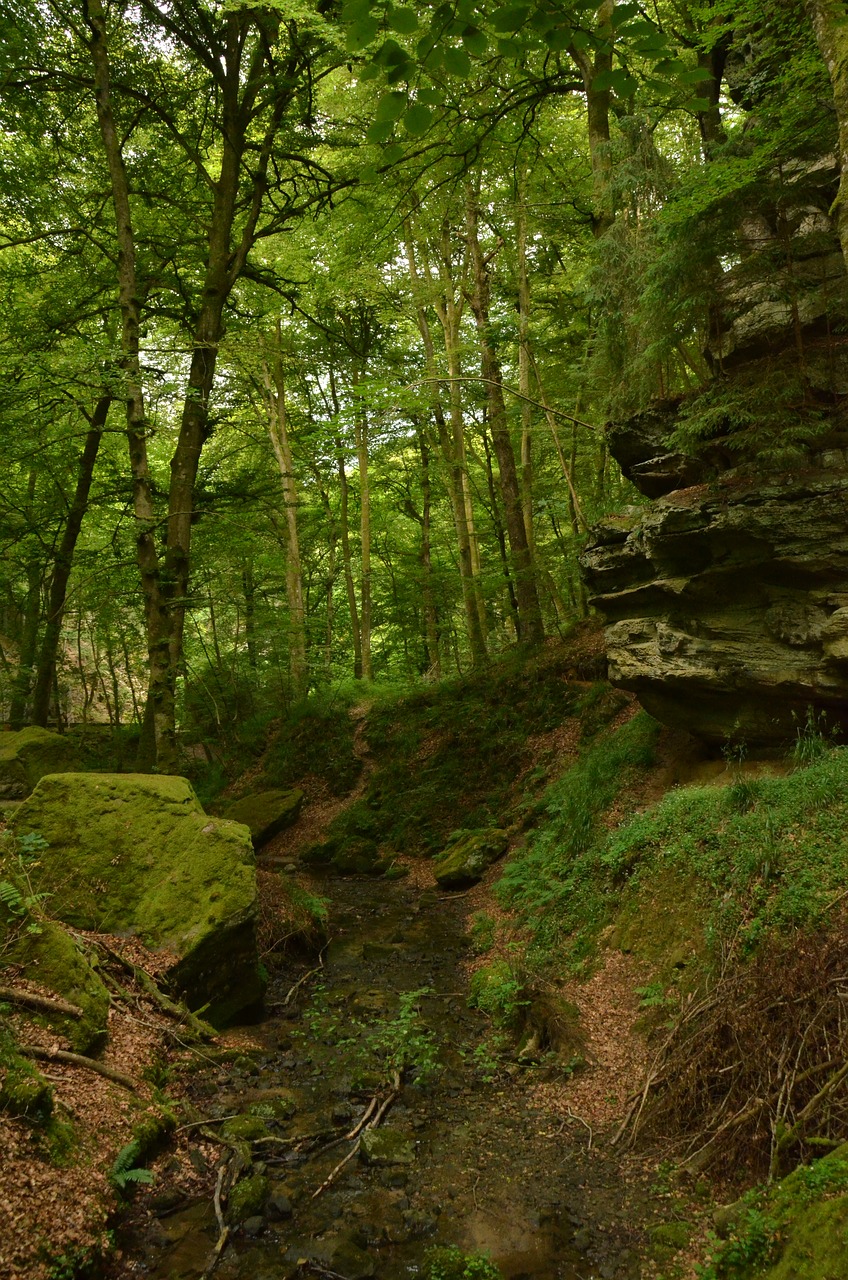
(500, 1153)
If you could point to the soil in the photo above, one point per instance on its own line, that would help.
(497, 1153)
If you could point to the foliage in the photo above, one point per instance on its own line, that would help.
(498, 990)
(125, 1172)
(22, 902)
(450, 1263)
(559, 885)
(390, 1045)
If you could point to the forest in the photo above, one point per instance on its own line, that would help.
(314, 322)
(423, 639)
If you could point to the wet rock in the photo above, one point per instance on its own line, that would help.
(244, 1128)
(247, 1198)
(136, 854)
(266, 813)
(467, 856)
(253, 1226)
(344, 1256)
(278, 1207)
(383, 1147)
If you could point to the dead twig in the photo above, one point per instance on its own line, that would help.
(79, 1060)
(44, 1004)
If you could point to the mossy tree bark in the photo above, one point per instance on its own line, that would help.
(829, 19)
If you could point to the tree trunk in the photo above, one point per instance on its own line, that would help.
(281, 444)
(63, 564)
(530, 614)
(453, 467)
(361, 430)
(524, 358)
(597, 116)
(29, 633)
(431, 622)
(830, 25)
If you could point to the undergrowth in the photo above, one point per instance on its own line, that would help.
(558, 886)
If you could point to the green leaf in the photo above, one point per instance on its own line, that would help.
(368, 174)
(360, 34)
(509, 48)
(393, 153)
(510, 17)
(696, 76)
(581, 40)
(475, 41)
(431, 97)
(641, 27)
(355, 11)
(619, 81)
(379, 131)
(558, 38)
(697, 104)
(623, 13)
(456, 62)
(390, 107)
(370, 72)
(403, 20)
(417, 119)
(391, 54)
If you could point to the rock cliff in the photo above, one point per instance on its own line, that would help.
(727, 604)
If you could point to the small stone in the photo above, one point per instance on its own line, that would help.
(253, 1226)
(383, 1147)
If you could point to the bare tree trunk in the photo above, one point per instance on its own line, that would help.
(431, 621)
(29, 634)
(453, 468)
(530, 614)
(281, 444)
(501, 537)
(597, 115)
(524, 358)
(361, 430)
(63, 564)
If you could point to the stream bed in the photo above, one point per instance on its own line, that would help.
(465, 1155)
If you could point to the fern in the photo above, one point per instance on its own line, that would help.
(124, 1172)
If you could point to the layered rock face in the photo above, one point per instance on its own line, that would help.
(727, 605)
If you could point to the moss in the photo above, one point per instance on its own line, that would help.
(247, 1198)
(29, 754)
(668, 1238)
(24, 1091)
(796, 1228)
(53, 959)
(157, 1122)
(245, 1128)
(131, 853)
(267, 813)
(467, 857)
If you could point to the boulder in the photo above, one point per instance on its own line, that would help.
(726, 606)
(266, 813)
(386, 1147)
(135, 854)
(468, 855)
(26, 756)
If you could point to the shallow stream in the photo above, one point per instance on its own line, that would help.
(464, 1157)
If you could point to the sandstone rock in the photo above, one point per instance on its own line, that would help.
(136, 854)
(467, 857)
(26, 756)
(727, 605)
(386, 1147)
(266, 813)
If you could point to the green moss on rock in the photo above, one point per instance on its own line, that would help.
(267, 813)
(247, 1198)
(135, 854)
(246, 1128)
(29, 754)
(23, 1089)
(468, 855)
(54, 960)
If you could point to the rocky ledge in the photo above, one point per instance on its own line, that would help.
(726, 605)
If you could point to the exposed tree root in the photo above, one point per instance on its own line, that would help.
(14, 995)
(79, 1060)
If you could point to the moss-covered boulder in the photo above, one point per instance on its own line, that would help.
(468, 855)
(266, 813)
(347, 855)
(247, 1198)
(135, 854)
(26, 756)
(23, 1089)
(51, 958)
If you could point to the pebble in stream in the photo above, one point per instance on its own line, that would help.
(456, 1161)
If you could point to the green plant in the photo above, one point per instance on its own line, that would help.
(405, 1044)
(483, 929)
(497, 990)
(450, 1263)
(17, 894)
(813, 739)
(124, 1172)
(751, 1246)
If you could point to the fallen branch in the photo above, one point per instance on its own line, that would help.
(310, 974)
(14, 995)
(223, 1229)
(172, 1008)
(372, 1124)
(79, 1060)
